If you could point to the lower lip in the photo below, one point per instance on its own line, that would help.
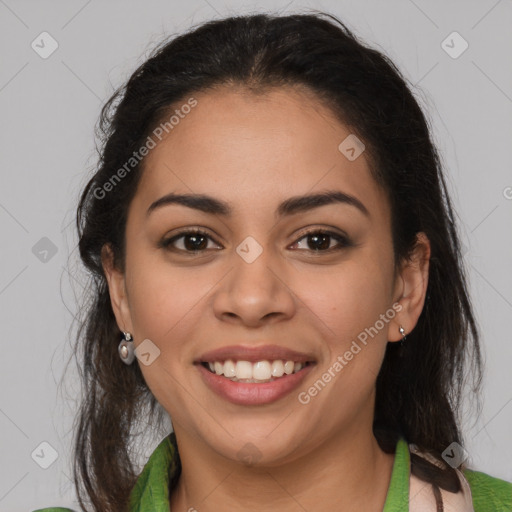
(243, 393)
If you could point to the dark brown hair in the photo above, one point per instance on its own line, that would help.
(420, 385)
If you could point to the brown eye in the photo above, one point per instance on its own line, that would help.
(190, 241)
(320, 241)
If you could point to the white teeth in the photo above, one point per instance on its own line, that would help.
(277, 369)
(288, 367)
(243, 370)
(229, 369)
(261, 371)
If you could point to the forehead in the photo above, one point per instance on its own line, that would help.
(255, 148)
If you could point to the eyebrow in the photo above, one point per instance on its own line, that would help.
(293, 205)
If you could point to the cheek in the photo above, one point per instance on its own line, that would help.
(167, 306)
(349, 298)
(350, 302)
(166, 303)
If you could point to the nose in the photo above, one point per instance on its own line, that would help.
(254, 292)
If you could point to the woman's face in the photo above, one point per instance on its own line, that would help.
(262, 280)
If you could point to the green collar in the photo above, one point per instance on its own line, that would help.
(397, 499)
(151, 491)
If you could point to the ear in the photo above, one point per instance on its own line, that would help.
(117, 290)
(411, 288)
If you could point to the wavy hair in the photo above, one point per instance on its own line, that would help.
(419, 389)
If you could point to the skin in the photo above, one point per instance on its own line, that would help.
(254, 152)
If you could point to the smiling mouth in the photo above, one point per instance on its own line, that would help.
(257, 372)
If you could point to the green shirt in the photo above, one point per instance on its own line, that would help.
(151, 489)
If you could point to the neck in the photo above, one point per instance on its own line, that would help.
(349, 472)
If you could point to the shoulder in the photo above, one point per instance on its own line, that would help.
(480, 491)
(489, 493)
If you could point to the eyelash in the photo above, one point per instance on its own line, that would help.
(343, 240)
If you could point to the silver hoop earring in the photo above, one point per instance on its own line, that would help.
(404, 337)
(126, 349)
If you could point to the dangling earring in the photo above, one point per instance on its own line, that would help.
(404, 337)
(126, 349)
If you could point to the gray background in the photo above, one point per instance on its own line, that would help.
(49, 109)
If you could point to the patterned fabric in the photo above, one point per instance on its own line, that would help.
(406, 493)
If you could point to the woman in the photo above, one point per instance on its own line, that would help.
(269, 228)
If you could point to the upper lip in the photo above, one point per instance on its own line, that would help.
(254, 354)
